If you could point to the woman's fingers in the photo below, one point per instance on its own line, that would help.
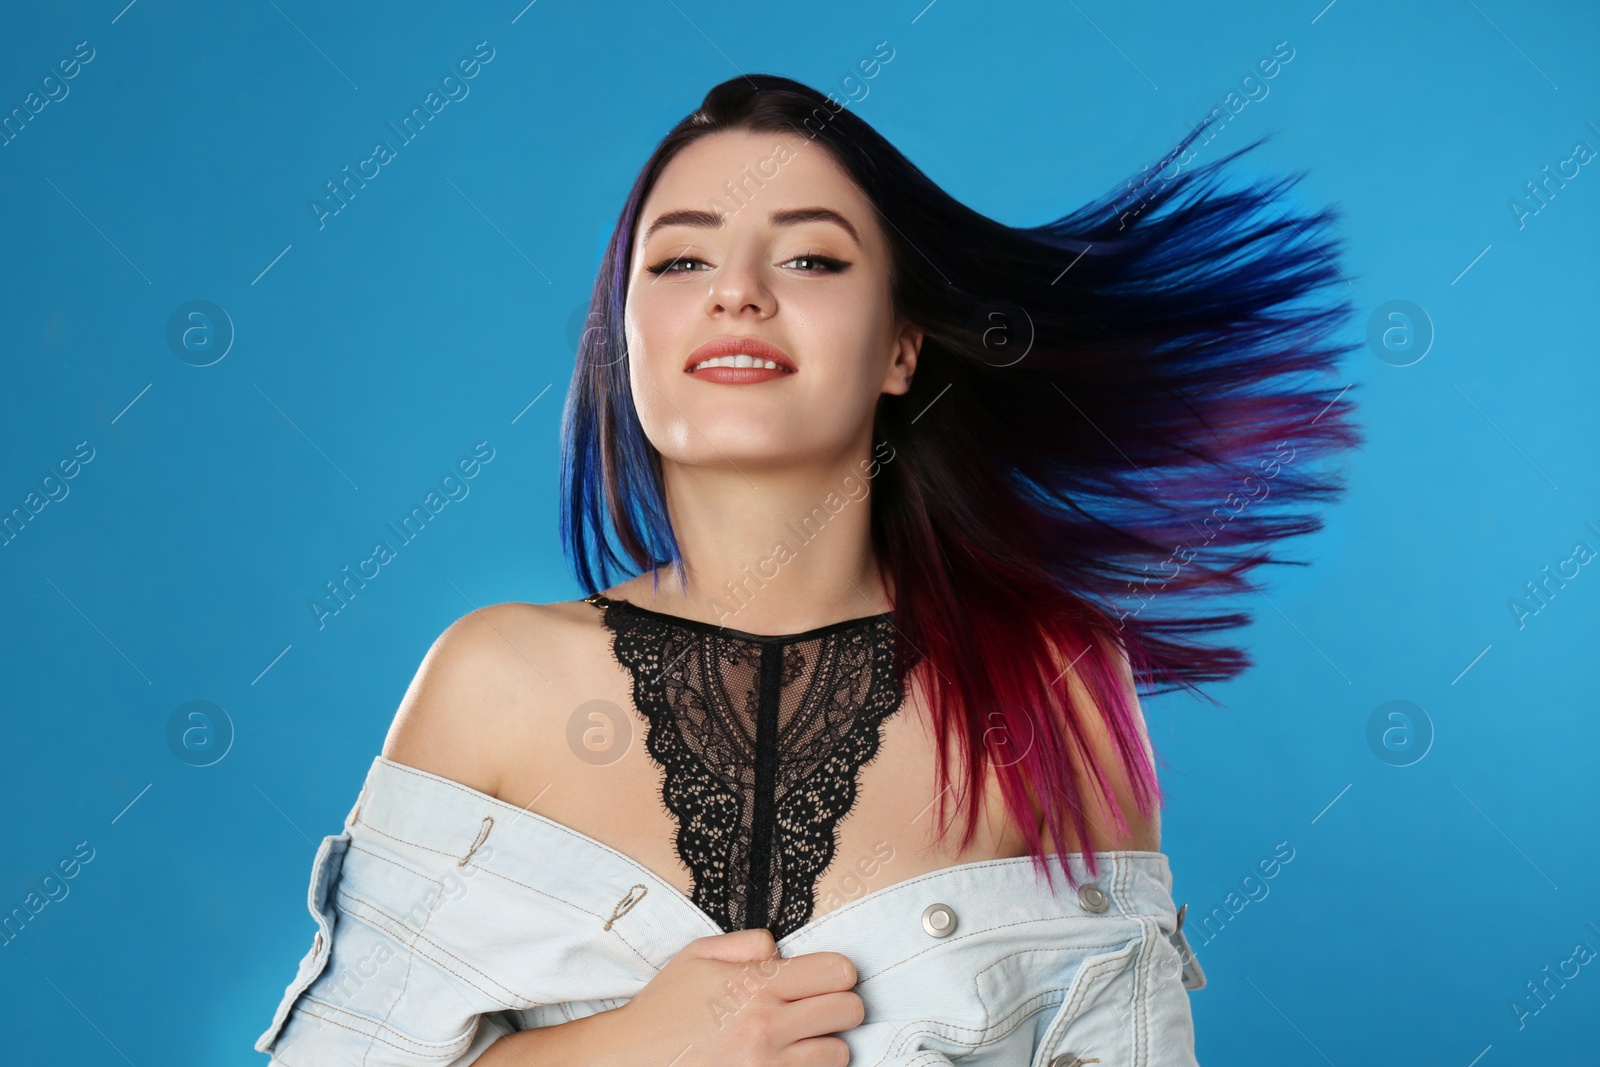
(816, 1052)
(809, 975)
(829, 1013)
(739, 946)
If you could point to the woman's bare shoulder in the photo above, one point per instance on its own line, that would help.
(483, 685)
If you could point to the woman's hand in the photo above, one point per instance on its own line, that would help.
(725, 1000)
(729, 1000)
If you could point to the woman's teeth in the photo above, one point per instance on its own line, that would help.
(740, 360)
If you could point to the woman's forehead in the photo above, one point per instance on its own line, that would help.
(764, 179)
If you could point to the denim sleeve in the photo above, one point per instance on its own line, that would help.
(374, 989)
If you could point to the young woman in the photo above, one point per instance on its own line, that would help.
(901, 489)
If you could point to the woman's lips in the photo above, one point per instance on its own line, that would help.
(727, 349)
(739, 375)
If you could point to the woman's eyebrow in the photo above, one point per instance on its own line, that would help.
(792, 217)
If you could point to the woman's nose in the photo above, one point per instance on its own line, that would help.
(738, 285)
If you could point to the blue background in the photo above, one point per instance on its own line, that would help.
(439, 308)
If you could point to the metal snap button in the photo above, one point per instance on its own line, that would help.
(1071, 1059)
(938, 920)
(1093, 898)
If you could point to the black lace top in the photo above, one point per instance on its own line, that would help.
(761, 740)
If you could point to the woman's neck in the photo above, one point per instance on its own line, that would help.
(769, 551)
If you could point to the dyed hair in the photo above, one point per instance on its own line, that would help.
(1113, 414)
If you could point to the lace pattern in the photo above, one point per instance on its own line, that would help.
(761, 740)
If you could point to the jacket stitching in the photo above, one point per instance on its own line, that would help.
(906, 885)
(1136, 1016)
(407, 841)
(985, 931)
(1027, 1008)
(988, 1024)
(310, 968)
(411, 956)
(578, 907)
(616, 928)
(411, 963)
(645, 960)
(991, 1032)
(442, 1048)
(1070, 1011)
(948, 1032)
(1141, 988)
(1090, 973)
(357, 847)
(580, 839)
(1126, 855)
(503, 877)
(443, 966)
(1141, 992)
(1123, 883)
(415, 936)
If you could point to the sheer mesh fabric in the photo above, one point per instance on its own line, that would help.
(761, 740)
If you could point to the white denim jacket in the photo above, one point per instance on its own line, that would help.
(446, 918)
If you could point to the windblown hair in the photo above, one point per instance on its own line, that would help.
(1113, 413)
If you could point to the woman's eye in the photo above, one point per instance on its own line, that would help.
(827, 264)
(670, 266)
(821, 264)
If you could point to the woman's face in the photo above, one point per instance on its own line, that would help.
(795, 257)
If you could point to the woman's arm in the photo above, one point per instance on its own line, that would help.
(791, 1010)
(578, 1043)
(344, 998)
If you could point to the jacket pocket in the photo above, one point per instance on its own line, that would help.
(1093, 1019)
(1128, 1007)
(325, 871)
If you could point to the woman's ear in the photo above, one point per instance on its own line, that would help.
(907, 347)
